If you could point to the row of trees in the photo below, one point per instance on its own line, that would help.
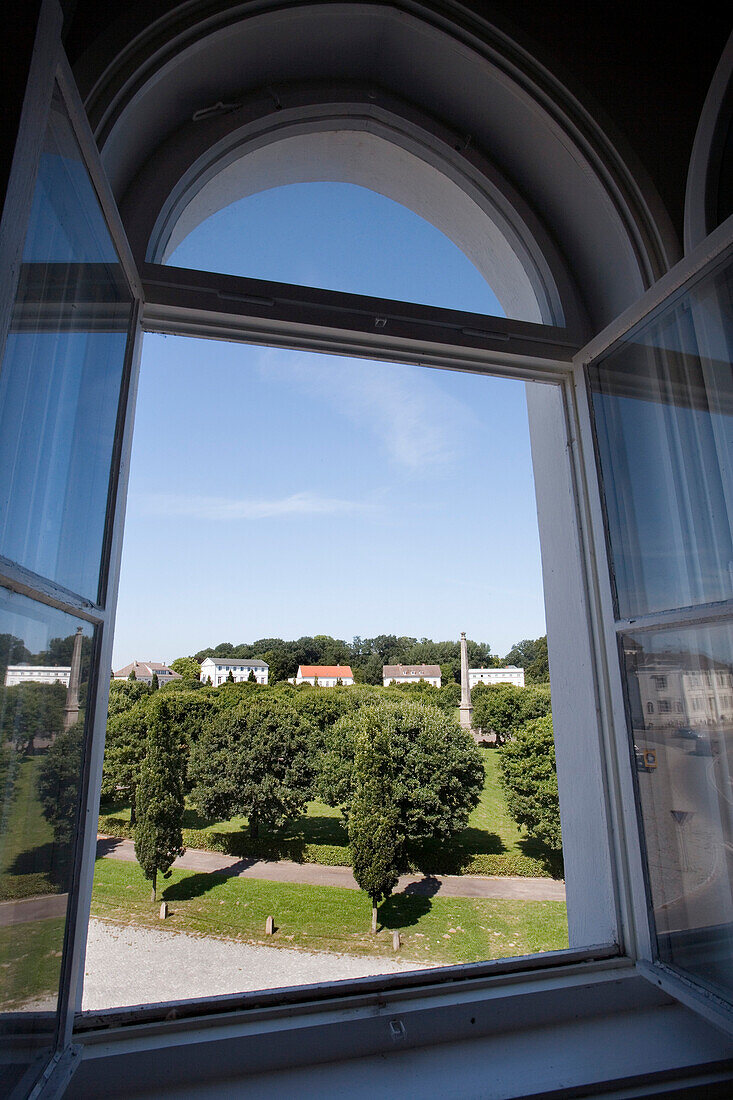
(403, 773)
(263, 753)
(367, 656)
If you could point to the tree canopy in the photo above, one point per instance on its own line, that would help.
(529, 777)
(504, 708)
(438, 769)
(159, 797)
(253, 759)
(375, 838)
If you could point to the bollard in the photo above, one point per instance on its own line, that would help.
(270, 926)
(163, 910)
(396, 941)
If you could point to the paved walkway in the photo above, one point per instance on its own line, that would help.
(38, 908)
(316, 874)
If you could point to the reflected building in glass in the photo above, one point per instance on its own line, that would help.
(663, 411)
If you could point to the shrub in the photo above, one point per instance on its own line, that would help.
(529, 777)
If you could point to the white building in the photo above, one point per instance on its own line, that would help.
(509, 675)
(324, 675)
(38, 674)
(411, 674)
(144, 671)
(218, 670)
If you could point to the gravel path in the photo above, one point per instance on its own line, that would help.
(129, 965)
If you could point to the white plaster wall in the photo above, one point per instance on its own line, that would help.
(365, 159)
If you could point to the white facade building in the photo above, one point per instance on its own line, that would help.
(38, 674)
(218, 669)
(411, 674)
(144, 671)
(324, 675)
(509, 675)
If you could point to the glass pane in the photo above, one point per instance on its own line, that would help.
(61, 375)
(680, 687)
(339, 236)
(663, 405)
(44, 673)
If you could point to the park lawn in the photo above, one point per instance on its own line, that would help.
(329, 918)
(490, 844)
(27, 839)
(30, 962)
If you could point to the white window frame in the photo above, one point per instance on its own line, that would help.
(617, 982)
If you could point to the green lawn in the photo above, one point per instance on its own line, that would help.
(26, 840)
(491, 844)
(327, 918)
(30, 961)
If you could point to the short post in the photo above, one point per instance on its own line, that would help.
(163, 910)
(270, 926)
(396, 941)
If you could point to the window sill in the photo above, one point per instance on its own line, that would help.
(575, 1025)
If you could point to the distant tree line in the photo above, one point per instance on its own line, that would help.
(367, 656)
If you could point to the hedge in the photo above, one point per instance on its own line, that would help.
(455, 862)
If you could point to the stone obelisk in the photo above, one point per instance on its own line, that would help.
(466, 710)
(71, 710)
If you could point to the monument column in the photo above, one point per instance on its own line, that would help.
(466, 710)
(71, 710)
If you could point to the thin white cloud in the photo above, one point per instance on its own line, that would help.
(420, 426)
(226, 509)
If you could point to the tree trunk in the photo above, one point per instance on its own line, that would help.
(133, 815)
(155, 880)
(374, 917)
(254, 827)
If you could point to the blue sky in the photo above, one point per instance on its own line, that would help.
(279, 493)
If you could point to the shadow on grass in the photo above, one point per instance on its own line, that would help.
(551, 861)
(50, 859)
(480, 841)
(405, 909)
(200, 883)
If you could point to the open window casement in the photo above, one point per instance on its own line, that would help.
(631, 446)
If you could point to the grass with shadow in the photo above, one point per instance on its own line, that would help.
(434, 930)
(30, 962)
(30, 862)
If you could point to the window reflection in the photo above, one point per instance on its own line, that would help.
(680, 686)
(61, 375)
(663, 409)
(45, 658)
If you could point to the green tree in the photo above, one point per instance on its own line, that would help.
(253, 759)
(375, 842)
(123, 694)
(538, 670)
(31, 710)
(230, 677)
(59, 777)
(251, 679)
(438, 769)
(531, 655)
(154, 683)
(187, 667)
(504, 708)
(159, 799)
(529, 777)
(133, 675)
(124, 751)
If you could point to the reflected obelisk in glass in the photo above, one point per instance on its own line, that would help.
(71, 710)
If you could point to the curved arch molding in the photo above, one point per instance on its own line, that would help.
(578, 233)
